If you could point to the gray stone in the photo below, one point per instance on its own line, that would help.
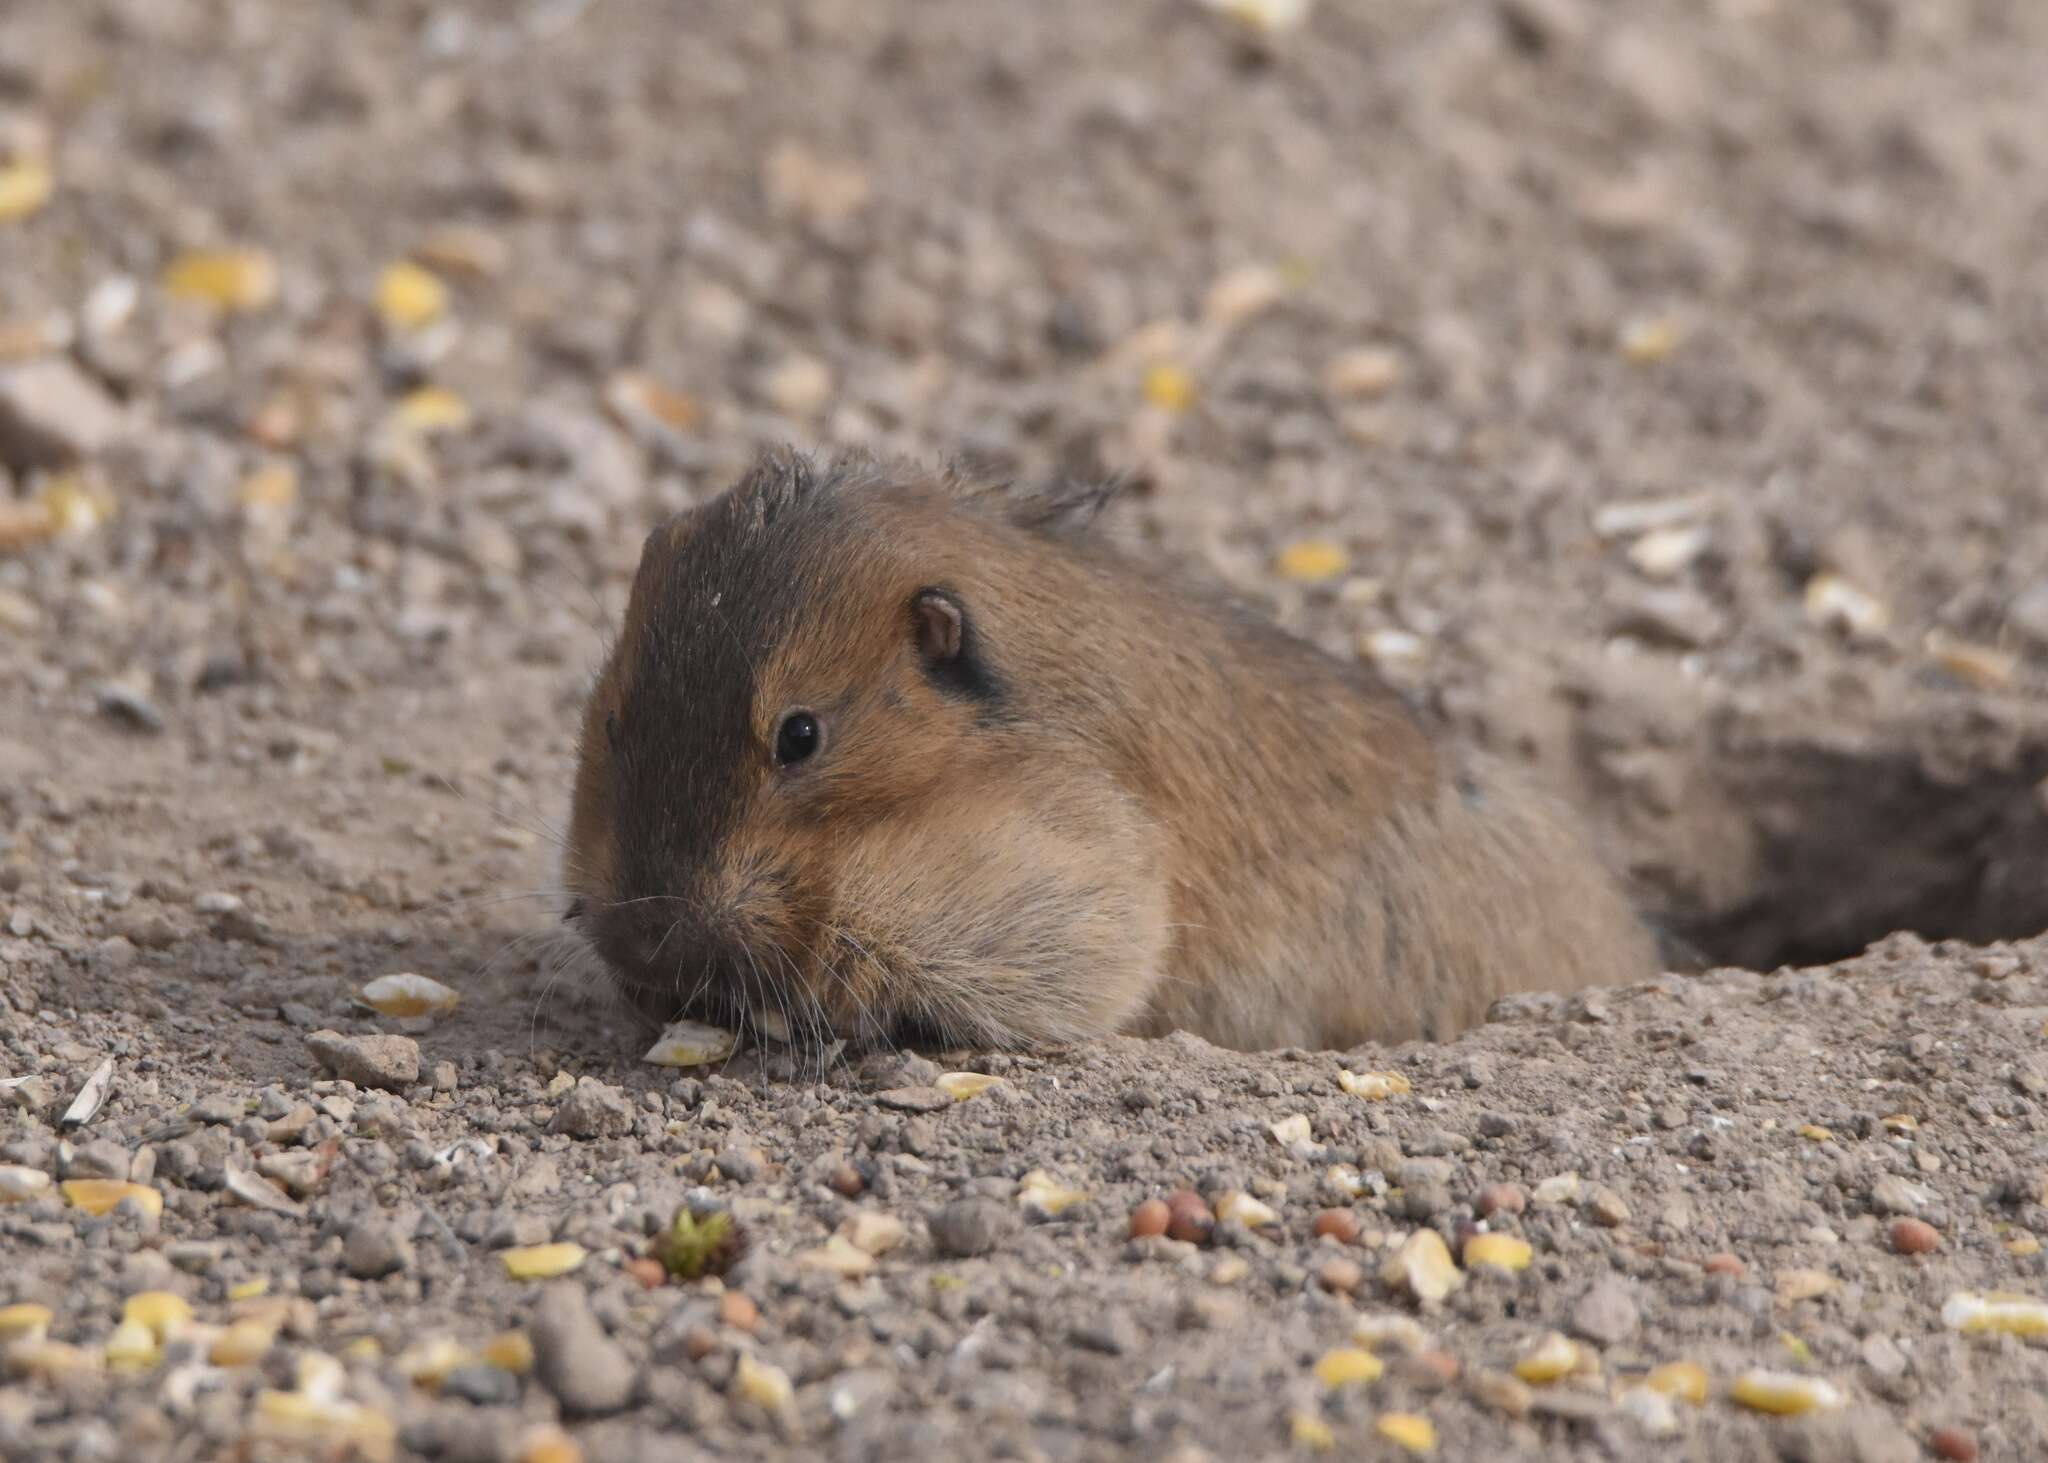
(1606, 1313)
(588, 1372)
(914, 1099)
(367, 1061)
(593, 1109)
(485, 1386)
(969, 1227)
(374, 1248)
(52, 413)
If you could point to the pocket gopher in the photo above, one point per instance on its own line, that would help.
(884, 754)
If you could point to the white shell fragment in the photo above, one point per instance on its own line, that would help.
(406, 994)
(691, 1044)
(90, 1096)
(19, 1183)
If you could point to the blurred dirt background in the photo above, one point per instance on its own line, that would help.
(1659, 390)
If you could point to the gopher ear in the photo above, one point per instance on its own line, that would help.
(941, 626)
(951, 649)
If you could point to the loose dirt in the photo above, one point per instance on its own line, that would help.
(1659, 392)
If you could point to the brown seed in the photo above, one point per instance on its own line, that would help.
(1953, 1443)
(1431, 1368)
(699, 1343)
(1724, 1264)
(1914, 1237)
(645, 1269)
(847, 1182)
(1150, 1218)
(1340, 1225)
(736, 1310)
(1188, 1217)
(1501, 1199)
(1339, 1276)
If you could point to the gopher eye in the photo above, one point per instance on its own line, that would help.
(798, 737)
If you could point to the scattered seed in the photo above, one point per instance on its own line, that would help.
(100, 1196)
(1168, 386)
(1685, 1380)
(1798, 1285)
(1311, 1432)
(1650, 1411)
(1724, 1263)
(1646, 342)
(691, 1044)
(131, 1348)
(838, 1256)
(1785, 1394)
(227, 279)
(161, 1312)
(1408, 1430)
(509, 1351)
(1291, 1132)
(243, 1343)
(1243, 294)
(1503, 1393)
(1264, 17)
(1362, 374)
(766, 1386)
(1982, 666)
(1149, 1219)
(1560, 1188)
(2012, 1315)
(1044, 1197)
(549, 1444)
(1314, 561)
(1815, 1133)
(25, 1321)
(408, 297)
(1344, 1180)
(427, 1363)
(1244, 1209)
(1373, 1086)
(1500, 1199)
(1388, 1328)
(639, 403)
(1340, 1225)
(1348, 1366)
(962, 1085)
(25, 186)
(406, 994)
(1423, 1268)
(873, 1232)
(426, 410)
(1953, 1443)
(1833, 603)
(542, 1262)
(1555, 1356)
(1900, 1122)
(1665, 553)
(1188, 1218)
(1501, 1251)
(1340, 1276)
(1914, 1237)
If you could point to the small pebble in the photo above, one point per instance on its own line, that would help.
(1150, 1218)
(736, 1310)
(1188, 1217)
(1340, 1276)
(1724, 1263)
(1914, 1237)
(1340, 1225)
(1954, 1443)
(969, 1227)
(1501, 1199)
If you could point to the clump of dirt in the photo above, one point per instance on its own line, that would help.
(1652, 390)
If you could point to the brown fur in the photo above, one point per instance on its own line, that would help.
(1122, 808)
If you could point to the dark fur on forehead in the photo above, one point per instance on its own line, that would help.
(785, 481)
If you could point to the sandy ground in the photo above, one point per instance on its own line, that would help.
(1668, 382)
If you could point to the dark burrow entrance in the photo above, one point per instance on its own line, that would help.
(1798, 852)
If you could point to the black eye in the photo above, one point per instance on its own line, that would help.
(798, 737)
